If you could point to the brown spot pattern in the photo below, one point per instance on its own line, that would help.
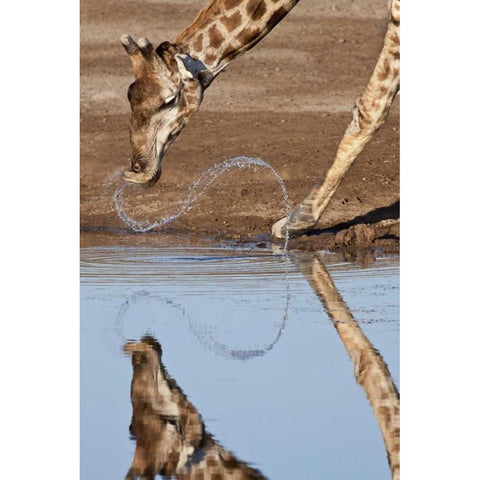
(215, 37)
(247, 35)
(229, 52)
(276, 17)
(232, 22)
(199, 475)
(229, 4)
(210, 461)
(198, 43)
(395, 39)
(210, 58)
(256, 9)
(384, 72)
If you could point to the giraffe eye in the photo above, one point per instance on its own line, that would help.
(169, 100)
(137, 168)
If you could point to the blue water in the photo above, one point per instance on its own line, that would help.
(269, 375)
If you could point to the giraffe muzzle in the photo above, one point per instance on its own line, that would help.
(148, 179)
(143, 171)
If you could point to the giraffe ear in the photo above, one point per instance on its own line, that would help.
(185, 73)
(190, 68)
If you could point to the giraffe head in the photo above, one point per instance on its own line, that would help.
(167, 91)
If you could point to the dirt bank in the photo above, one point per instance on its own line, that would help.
(287, 101)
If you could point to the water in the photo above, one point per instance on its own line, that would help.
(197, 189)
(257, 356)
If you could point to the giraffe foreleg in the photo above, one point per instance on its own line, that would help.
(370, 369)
(369, 115)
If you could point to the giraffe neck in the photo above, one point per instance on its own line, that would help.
(225, 29)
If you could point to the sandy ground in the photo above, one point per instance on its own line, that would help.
(287, 101)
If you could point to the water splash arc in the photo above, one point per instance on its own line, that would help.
(197, 189)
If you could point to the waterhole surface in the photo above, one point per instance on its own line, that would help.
(250, 344)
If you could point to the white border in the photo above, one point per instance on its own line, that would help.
(439, 262)
(40, 241)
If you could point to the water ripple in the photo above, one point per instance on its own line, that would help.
(154, 265)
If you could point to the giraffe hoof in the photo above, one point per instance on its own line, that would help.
(296, 228)
(279, 228)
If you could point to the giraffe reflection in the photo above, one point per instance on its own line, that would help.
(371, 371)
(170, 434)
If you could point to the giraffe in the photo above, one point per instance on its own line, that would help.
(170, 82)
(170, 434)
(370, 369)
